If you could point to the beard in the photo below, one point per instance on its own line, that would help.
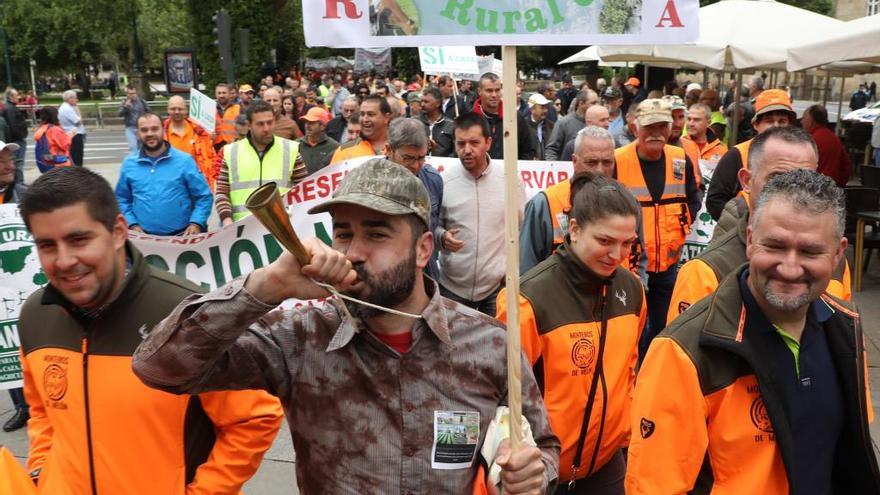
(388, 288)
(152, 149)
(788, 302)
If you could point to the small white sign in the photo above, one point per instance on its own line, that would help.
(202, 109)
(448, 59)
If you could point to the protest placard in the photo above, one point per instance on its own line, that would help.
(449, 60)
(202, 109)
(398, 23)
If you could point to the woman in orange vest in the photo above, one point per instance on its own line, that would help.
(581, 315)
(55, 151)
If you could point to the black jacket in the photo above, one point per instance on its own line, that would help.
(15, 118)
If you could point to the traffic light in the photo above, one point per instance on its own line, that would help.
(244, 45)
(223, 40)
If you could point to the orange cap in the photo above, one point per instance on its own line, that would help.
(317, 114)
(772, 100)
(633, 81)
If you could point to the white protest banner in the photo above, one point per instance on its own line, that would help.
(20, 276)
(449, 59)
(214, 258)
(202, 110)
(485, 64)
(402, 23)
(704, 225)
(369, 59)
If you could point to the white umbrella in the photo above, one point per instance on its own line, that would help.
(590, 54)
(857, 40)
(735, 35)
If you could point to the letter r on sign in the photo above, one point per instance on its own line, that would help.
(332, 9)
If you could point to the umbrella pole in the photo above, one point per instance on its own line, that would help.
(511, 216)
(825, 90)
(838, 127)
(736, 95)
(646, 79)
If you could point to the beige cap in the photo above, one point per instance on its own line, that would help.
(652, 111)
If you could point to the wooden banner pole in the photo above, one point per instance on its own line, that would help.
(511, 203)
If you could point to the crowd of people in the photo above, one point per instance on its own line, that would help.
(742, 371)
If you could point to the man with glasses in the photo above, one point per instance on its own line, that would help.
(408, 146)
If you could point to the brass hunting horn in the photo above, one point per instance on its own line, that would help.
(265, 204)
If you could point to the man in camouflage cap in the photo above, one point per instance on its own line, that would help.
(662, 178)
(372, 400)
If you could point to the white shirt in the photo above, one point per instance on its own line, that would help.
(476, 208)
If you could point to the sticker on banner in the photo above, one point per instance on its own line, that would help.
(456, 434)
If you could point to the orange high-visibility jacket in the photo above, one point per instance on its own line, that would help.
(196, 142)
(96, 429)
(706, 412)
(666, 223)
(561, 312)
(711, 152)
(224, 129)
(700, 276)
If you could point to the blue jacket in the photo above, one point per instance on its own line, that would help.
(164, 196)
(433, 182)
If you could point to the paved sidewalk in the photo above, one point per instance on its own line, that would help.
(276, 474)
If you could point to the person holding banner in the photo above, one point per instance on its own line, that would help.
(94, 427)
(453, 104)
(160, 189)
(187, 136)
(440, 128)
(771, 153)
(375, 389)
(661, 177)
(702, 136)
(248, 163)
(581, 314)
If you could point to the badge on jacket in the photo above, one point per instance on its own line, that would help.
(456, 434)
(678, 165)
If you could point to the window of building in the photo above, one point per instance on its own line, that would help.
(873, 7)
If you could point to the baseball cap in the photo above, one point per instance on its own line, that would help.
(538, 99)
(413, 96)
(675, 102)
(652, 111)
(8, 146)
(317, 114)
(772, 100)
(611, 93)
(633, 81)
(693, 86)
(246, 88)
(384, 186)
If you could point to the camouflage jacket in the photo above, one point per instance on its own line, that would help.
(362, 416)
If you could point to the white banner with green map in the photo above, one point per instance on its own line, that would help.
(401, 23)
(20, 275)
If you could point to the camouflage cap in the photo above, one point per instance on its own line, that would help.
(652, 111)
(384, 186)
(675, 102)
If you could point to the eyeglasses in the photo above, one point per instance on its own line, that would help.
(410, 159)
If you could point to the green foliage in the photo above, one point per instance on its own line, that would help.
(614, 17)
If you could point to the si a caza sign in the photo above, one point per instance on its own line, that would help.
(399, 23)
(449, 60)
(202, 109)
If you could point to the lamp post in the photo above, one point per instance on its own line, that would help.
(33, 63)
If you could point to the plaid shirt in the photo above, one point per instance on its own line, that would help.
(361, 414)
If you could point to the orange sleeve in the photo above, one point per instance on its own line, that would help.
(246, 423)
(669, 424)
(529, 337)
(695, 281)
(39, 427)
(841, 288)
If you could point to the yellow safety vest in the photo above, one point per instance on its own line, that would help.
(247, 172)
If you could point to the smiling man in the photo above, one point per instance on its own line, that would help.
(762, 387)
(160, 189)
(94, 427)
(368, 393)
(375, 115)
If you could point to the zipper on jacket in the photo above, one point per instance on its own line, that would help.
(657, 236)
(85, 354)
